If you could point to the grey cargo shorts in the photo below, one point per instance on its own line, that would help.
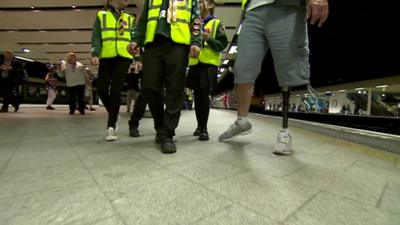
(284, 31)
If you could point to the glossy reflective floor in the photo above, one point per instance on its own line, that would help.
(56, 169)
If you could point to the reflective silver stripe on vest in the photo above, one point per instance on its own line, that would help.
(184, 8)
(105, 20)
(182, 21)
(152, 19)
(114, 29)
(116, 39)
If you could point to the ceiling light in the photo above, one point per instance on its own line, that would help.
(222, 70)
(359, 89)
(382, 86)
(74, 6)
(225, 62)
(32, 7)
(26, 50)
(342, 91)
(219, 75)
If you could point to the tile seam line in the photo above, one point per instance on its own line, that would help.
(118, 214)
(12, 155)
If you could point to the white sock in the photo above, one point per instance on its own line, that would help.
(242, 120)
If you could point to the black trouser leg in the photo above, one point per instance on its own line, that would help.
(112, 72)
(285, 107)
(165, 66)
(175, 75)
(153, 83)
(103, 82)
(72, 93)
(118, 79)
(80, 94)
(138, 111)
(202, 107)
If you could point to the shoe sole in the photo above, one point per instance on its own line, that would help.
(111, 139)
(240, 134)
(279, 151)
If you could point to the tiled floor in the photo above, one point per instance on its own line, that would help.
(56, 169)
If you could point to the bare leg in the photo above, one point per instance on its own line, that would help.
(244, 92)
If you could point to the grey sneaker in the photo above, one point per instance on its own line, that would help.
(283, 145)
(235, 130)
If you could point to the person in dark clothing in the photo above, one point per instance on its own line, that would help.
(132, 88)
(139, 107)
(202, 76)
(111, 41)
(169, 30)
(11, 75)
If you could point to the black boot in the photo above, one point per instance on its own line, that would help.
(196, 132)
(203, 136)
(168, 146)
(134, 132)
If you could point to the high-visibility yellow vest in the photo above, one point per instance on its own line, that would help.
(114, 42)
(180, 24)
(207, 54)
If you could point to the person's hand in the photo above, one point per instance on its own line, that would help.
(133, 48)
(318, 11)
(194, 51)
(206, 35)
(138, 66)
(95, 61)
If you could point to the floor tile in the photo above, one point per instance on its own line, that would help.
(170, 201)
(328, 209)
(352, 186)
(206, 170)
(75, 204)
(272, 197)
(236, 215)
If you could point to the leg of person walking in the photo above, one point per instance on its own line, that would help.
(153, 72)
(72, 99)
(103, 82)
(138, 111)
(118, 77)
(80, 94)
(202, 109)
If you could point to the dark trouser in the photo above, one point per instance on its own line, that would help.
(112, 76)
(165, 65)
(76, 95)
(202, 107)
(138, 111)
(9, 93)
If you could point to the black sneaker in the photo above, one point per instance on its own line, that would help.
(82, 112)
(134, 132)
(196, 132)
(16, 108)
(168, 146)
(49, 107)
(3, 110)
(203, 136)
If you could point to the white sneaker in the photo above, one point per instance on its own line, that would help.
(111, 134)
(283, 145)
